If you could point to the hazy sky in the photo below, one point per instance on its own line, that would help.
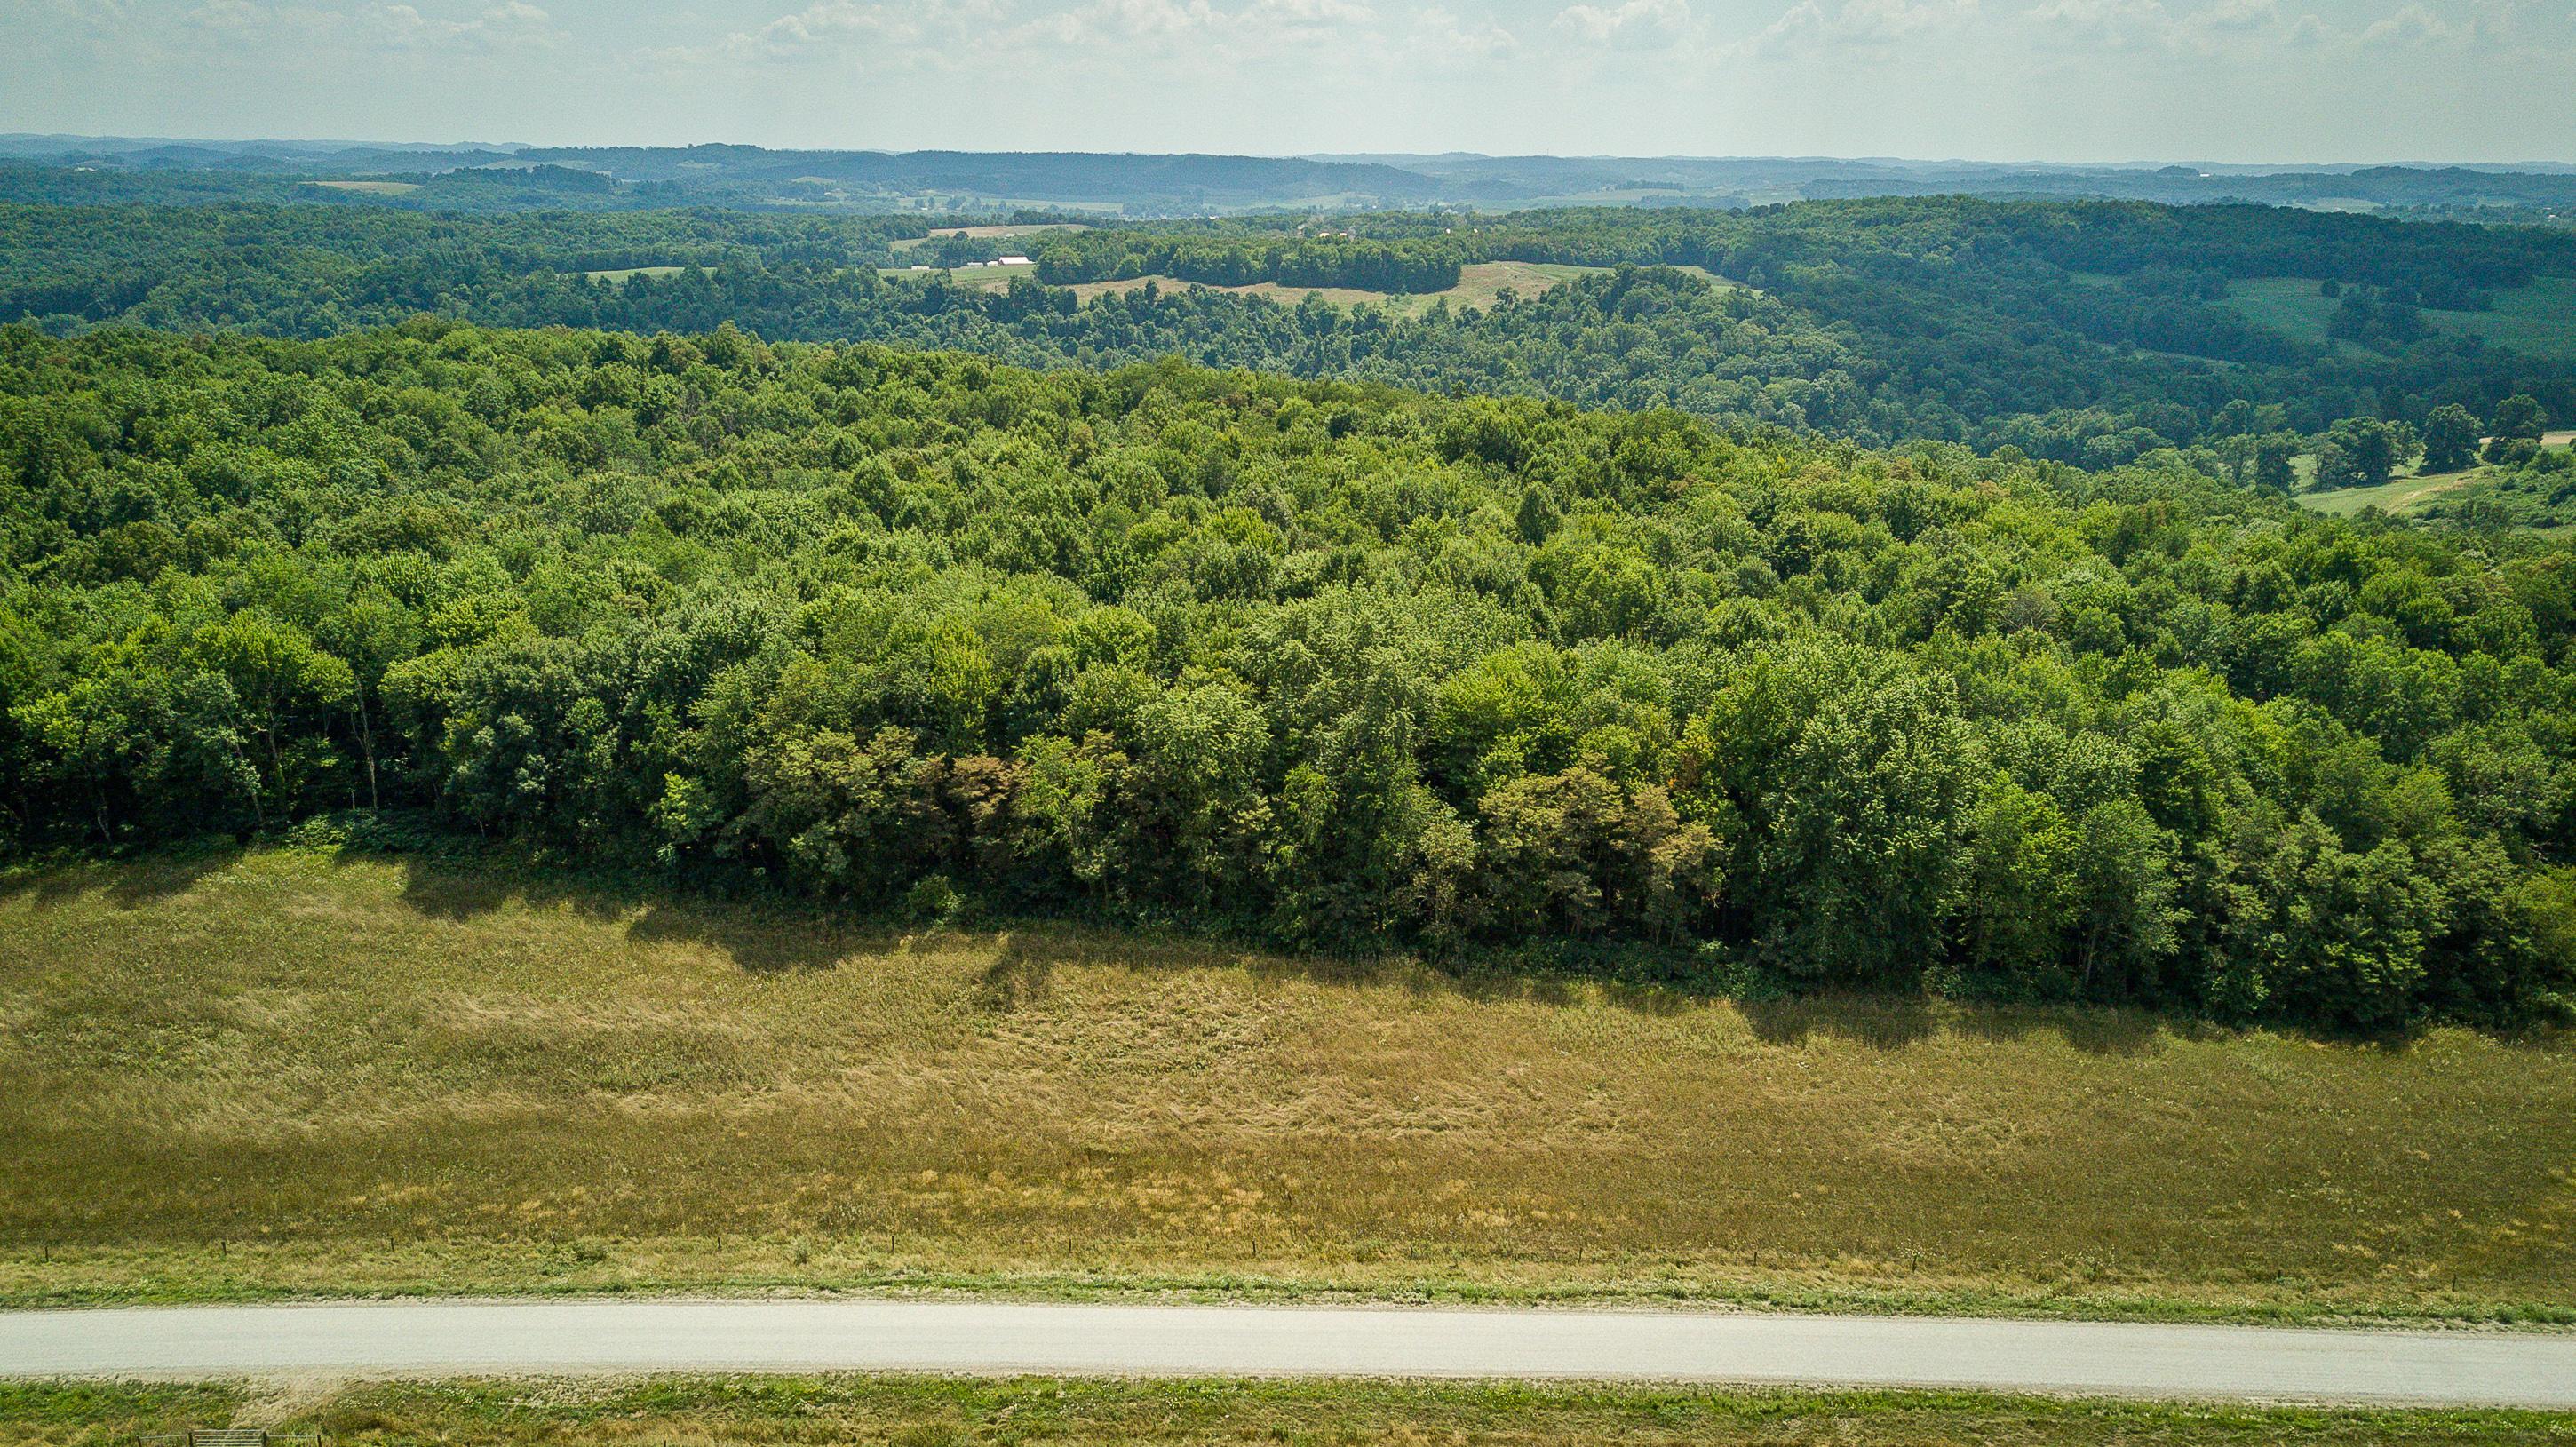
(2227, 80)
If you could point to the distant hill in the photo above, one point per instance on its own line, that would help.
(1174, 181)
(1150, 185)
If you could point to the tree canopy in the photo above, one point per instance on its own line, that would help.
(1319, 662)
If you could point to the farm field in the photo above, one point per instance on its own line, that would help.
(299, 1071)
(369, 188)
(956, 1412)
(1034, 228)
(2288, 305)
(2538, 319)
(2397, 495)
(2405, 492)
(1480, 284)
(994, 275)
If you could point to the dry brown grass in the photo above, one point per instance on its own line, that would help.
(290, 1071)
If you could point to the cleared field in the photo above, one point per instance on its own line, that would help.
(2398, 495)
(2288, 305)
(2538, 319)
(1480, 284)
(621, 273)
(1286, 295)
(950, 202)
(2407, 491)
(290, 1071)
(995, 276)
(951, 1412)
(369, 188)
(1031, 229)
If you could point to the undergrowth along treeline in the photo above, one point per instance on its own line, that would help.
(1333, 665)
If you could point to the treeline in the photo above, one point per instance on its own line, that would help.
(1878, 322)
(1331, 665)
(1118, 254)
(312, 271)
(1921, 238)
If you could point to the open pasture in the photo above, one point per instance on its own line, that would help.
(294, 1071)
(369, 188)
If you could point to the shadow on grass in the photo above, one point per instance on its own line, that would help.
(758, 931)
(760, 928)
(131, 883)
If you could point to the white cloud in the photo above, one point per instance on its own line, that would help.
(226, 15)
(1242, 32)
(2415, 25)
(948, 33)
(2243, 26)
(1635, 25)
(1443, 36)
(831, 29)
(89, 12)
(394, 26)
(1810, 25)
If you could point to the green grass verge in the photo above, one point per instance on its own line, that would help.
(952, 1412)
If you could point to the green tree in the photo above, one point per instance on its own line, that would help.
(2450, 438)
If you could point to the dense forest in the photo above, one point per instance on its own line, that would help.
(2090, 333)
(1325, 663)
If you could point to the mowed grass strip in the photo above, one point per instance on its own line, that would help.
(955, 1412)
(292, 1071)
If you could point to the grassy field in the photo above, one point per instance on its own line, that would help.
(298, 1072)
(2408, 490)
(2398, 495)
(1480, 284)
(2538, 320)
(2289, 305)
(1034, 228)
(946, 1412)
(623, 272)
(370, 188)
(993, 277)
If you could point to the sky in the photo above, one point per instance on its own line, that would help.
(2028, 80)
